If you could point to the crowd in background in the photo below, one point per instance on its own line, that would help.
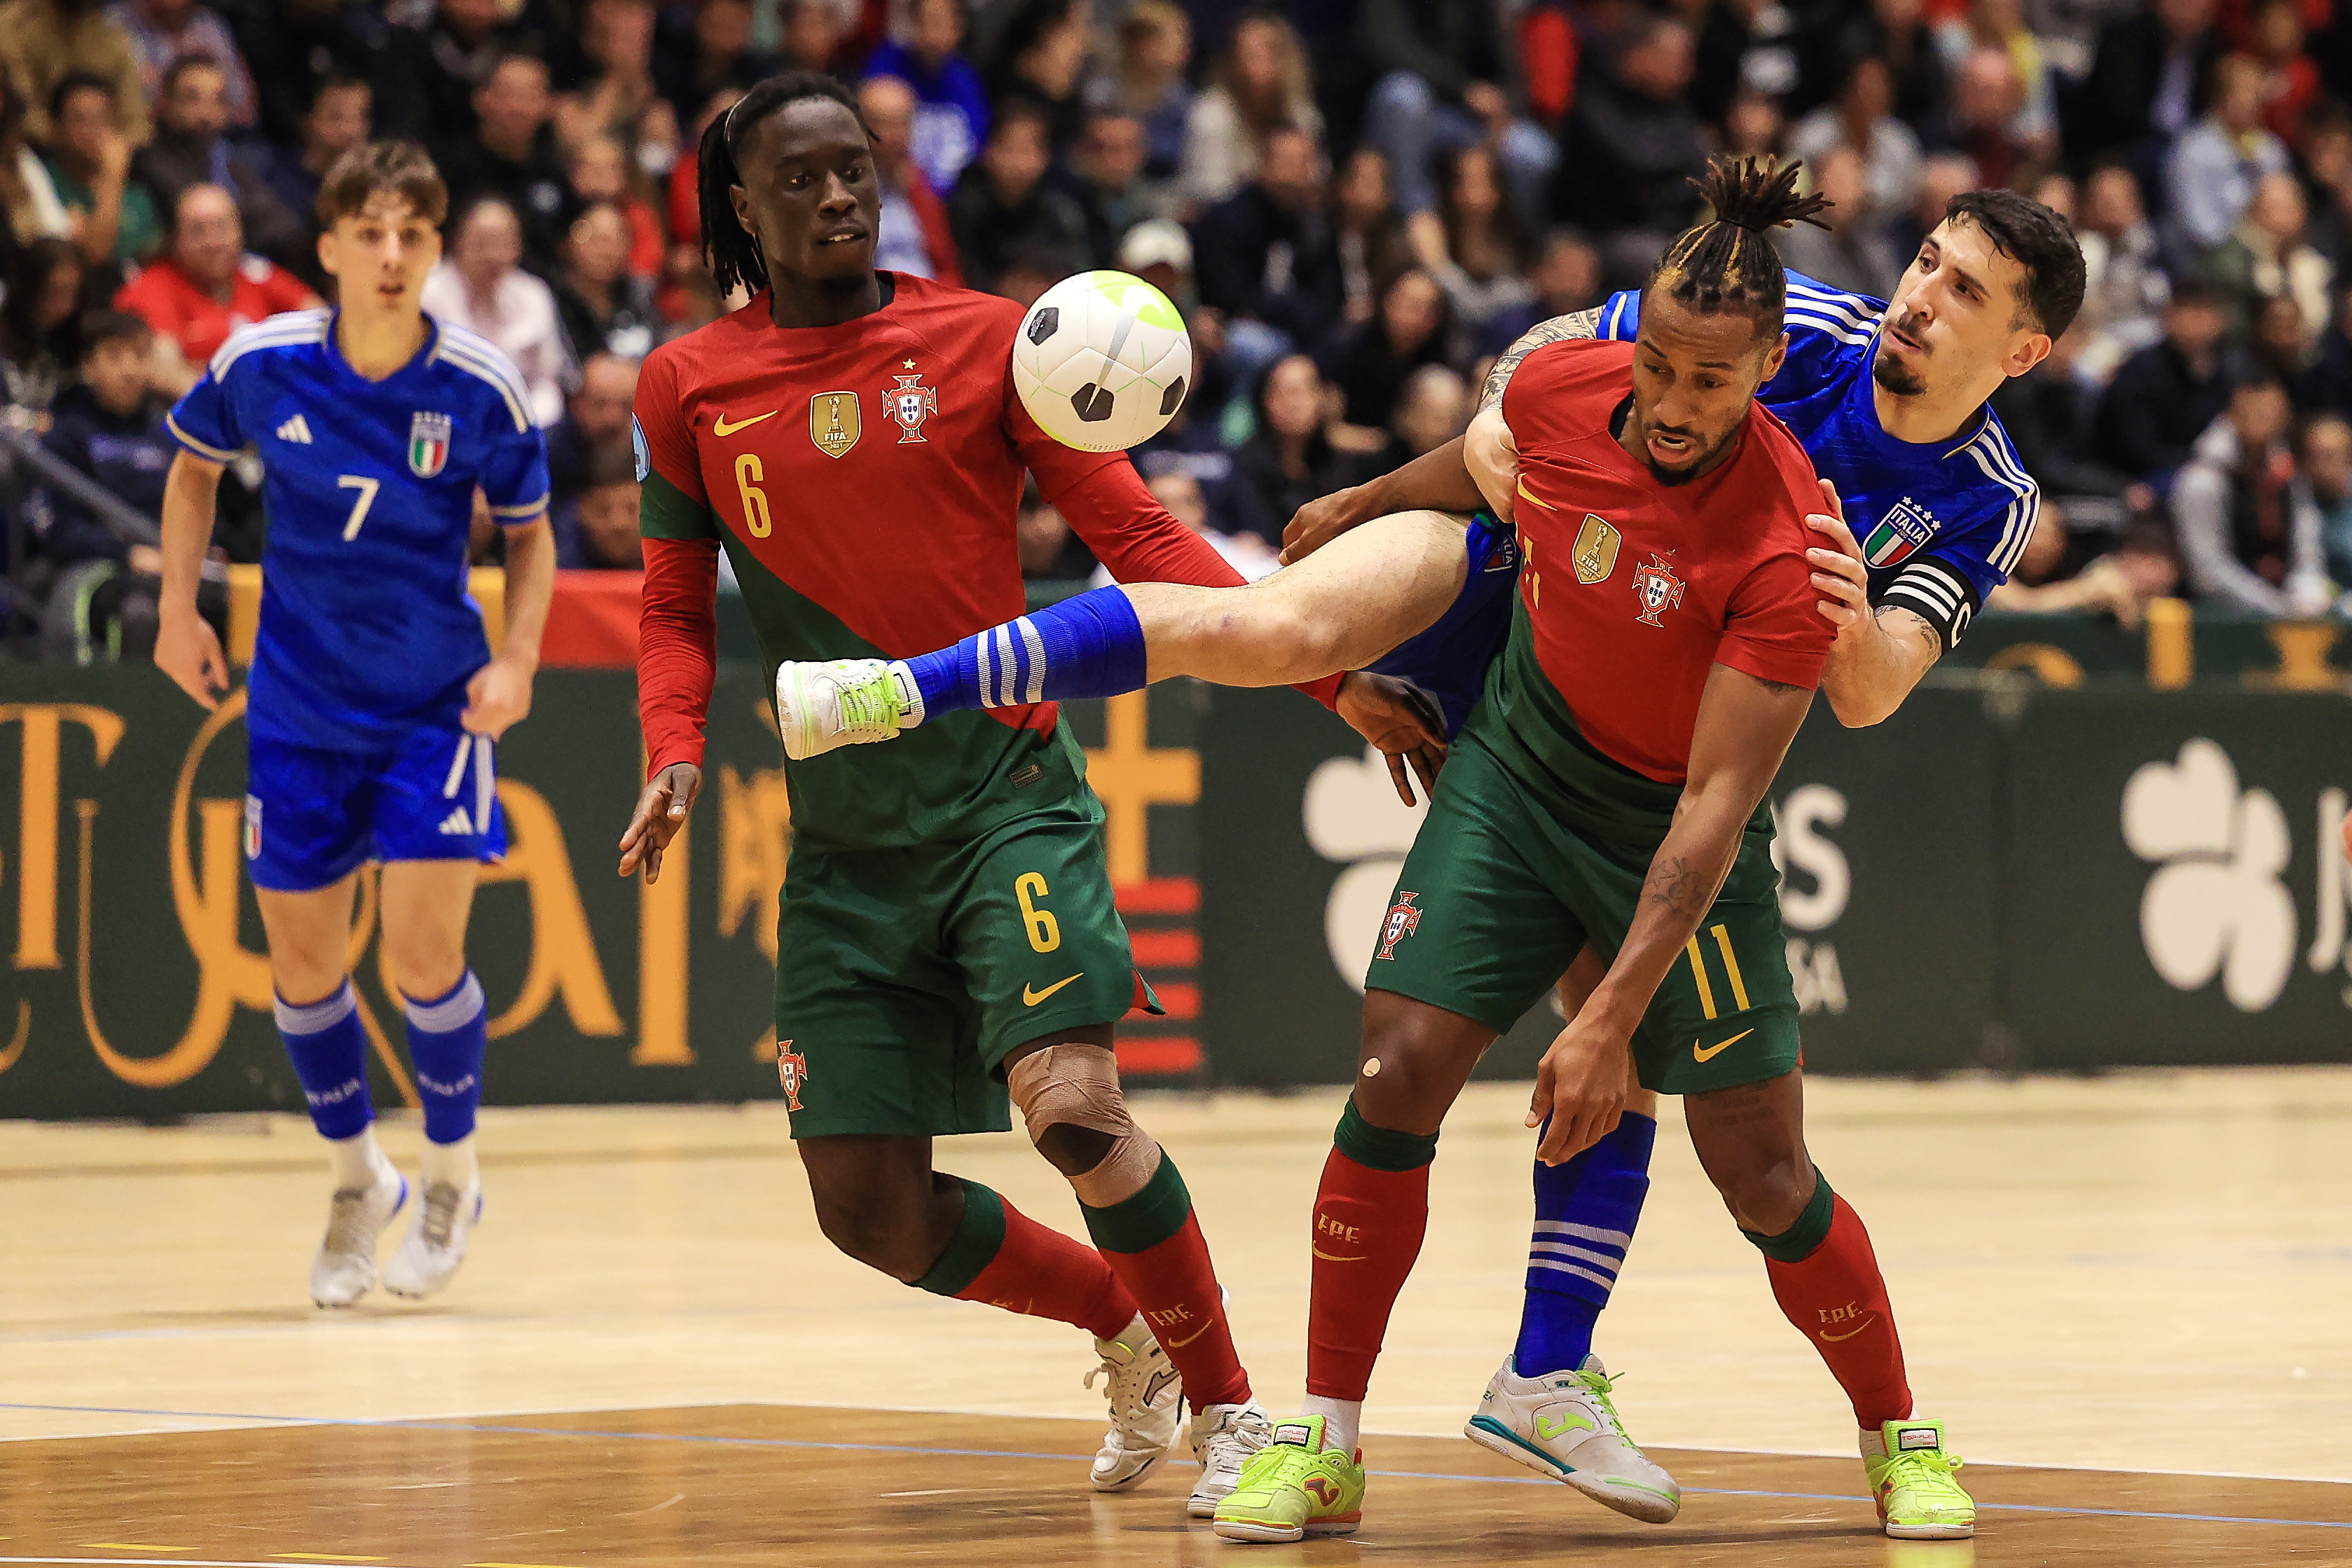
(1356, 204)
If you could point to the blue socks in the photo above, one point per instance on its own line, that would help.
(329, 1057)
(446, 1040)
(1088, 645)
(1585, 1214)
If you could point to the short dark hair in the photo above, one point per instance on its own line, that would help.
(729, 250)
(2037, 239)
(1728, 263)
(395, 168)
(99, 328)
(77, 81)
(195, 59)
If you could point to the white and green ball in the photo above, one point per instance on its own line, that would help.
(1102, 362)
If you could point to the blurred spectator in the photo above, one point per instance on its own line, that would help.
(2119, 584)
(108, 426)
(600, 171)
(1753, 127)
(481, 285)
(161, 31)
(2327, 161)
(951, 107)
(427, 76)
(205, 287)
(2268, 256)
(34, 210)
(701, 50)
(2000, 25)
(1108, 177)
(1187, 502)
(1368, 231)
(2047, 415)
(1433, 409)
(1290, 460)
(1567, 279)
(596, 530)
(1003, 210)
(1741, 48)
(1863, 118)
(1475, 244)
(2328, 382)
(513, 156)
(42, 42)
(1267, 255)
(2122, 300)
(336, 122)
(1853, 252)
(2146, 80)
(1941, 177)
(1897, 32)
(90, 168)
(2164, 396)
(1445, 85)
(1987, 96)
(1048, 549)
(294, 47)
(2277, 348)
(595, 419)
(39, 344)
(1155, 46)
(2275, 38)
(618, 97)
(1260, 86)
(2218, 161)
(190, 146)
(605, 307)
(1042, 56)
(1630, 147)
(1414, 328)
(2328, 471)
(916, 237)
(1158, 251)
(2250, 536)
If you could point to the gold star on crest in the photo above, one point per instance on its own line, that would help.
(907, 362)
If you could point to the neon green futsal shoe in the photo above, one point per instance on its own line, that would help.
(1910, 1474)
(823, 705)
(1294, 1487)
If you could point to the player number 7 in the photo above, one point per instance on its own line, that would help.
(367, 489)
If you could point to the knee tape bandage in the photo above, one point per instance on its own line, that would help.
(1077, 1086)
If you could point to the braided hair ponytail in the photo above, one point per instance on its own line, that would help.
(1729, 263)
(730, 250)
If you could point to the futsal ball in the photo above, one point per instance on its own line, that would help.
(1102, 362)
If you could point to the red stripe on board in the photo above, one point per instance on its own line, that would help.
(1165, 949)
(1180, 1000)
(1169, 1055)
(1159, 895)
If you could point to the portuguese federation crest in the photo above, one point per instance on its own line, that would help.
(1656, 587)
(1402, 921)
(792, 1071)
(908, 404)
(1907, 527)
(428, 444)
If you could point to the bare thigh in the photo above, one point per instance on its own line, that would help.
(1341, 608)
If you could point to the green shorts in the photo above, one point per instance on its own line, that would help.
(905, 976)
(1499, 894)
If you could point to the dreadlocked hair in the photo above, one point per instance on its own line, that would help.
(729, 250)
(1729, 263)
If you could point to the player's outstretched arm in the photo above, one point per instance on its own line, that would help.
(1880, 654)
(500, 694)
(186, 648)
(678, 664)
(1744, 729)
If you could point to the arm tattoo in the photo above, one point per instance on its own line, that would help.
(1921, 627)
(1559, 329)
(1671, 884)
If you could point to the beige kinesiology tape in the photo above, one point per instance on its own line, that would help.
(1077, 1086)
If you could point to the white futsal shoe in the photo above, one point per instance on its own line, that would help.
(345, 1270)
(429, 1253)
(1225, 1438)
(1146, 1400)
(823, 705)
(1565, 1426)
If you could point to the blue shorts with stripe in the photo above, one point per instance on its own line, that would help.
(313, 814)
(1449, 661)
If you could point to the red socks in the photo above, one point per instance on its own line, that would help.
(1040, 1273)
(1369, 1224)
(1837, 1298)
(1177, 1287)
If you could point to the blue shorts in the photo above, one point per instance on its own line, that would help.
(1449, 661)
(313, 815)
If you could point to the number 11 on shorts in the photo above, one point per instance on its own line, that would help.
(1730, 969)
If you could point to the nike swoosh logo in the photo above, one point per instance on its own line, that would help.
(721, 428)
(1708, 1053)
(1527, 494)
(1548, 1427)
(1196, 1333)
(1336, 1258)
(1830, 1338)
(1030, 996)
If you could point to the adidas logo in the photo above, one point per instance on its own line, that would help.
(457, 822)
(294, 429)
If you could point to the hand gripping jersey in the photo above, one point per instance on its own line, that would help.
(1630, 590)
(367, 631)
(1941, 525)
(864, 479)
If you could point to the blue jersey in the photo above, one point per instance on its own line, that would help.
(367, 630)
(1448, 662)
(1941, 525)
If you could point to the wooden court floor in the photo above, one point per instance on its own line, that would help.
(2131, 1298)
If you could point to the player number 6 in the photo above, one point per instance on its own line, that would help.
(748, 475)
(1045, 930)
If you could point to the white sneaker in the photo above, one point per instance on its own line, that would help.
(345, 1270)
(823, 705)
(1565, 1426)
(429, 1253)
(1225, 1438)
(1146, 1400)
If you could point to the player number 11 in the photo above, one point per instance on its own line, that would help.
(367, 489)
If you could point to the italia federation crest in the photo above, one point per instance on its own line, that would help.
(252, 827)
(908, 404)
(1656, 587)
(428, 444)
(1905, 528)
(792, 1071)
(1403, 920)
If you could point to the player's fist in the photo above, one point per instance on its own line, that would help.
(1400, 722)
(189, 651)
(498, 697)
(661, 811)
(1323, 520)
(1581, 1087)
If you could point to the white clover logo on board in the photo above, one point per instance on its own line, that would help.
(2215, 904)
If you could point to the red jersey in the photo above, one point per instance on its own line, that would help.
(168, 300)
(1634, 589)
